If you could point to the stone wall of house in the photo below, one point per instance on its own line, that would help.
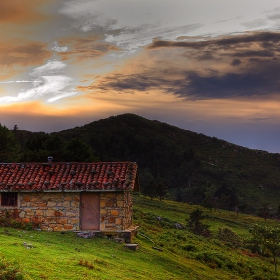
(61, 211)
(127, 209)
(115, 211)
(53, 211)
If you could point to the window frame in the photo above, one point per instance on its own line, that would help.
(9, 199)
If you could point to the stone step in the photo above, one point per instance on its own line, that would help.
(132, 246)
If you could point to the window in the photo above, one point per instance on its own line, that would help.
(8, 199)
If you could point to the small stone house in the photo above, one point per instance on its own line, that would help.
(70, 196)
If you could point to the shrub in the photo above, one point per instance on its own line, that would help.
(212, 259)
(10, 270)
(86, 263)
(229, 237)
(190, 248)
(195, 224)
(8, 222)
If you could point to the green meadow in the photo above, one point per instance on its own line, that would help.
(167, 249)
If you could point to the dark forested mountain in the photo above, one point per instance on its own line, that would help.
(173, 162)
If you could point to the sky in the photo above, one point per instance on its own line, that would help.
(209, 66)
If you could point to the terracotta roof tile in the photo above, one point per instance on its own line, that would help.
(71, 176)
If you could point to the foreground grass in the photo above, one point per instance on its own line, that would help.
(65, 256)
(54, 255)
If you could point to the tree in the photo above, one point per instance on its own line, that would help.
(227, 195)
(151, 189)
(266, 240)
(9, 147)
(77, 150)
(145, 178)
(36, 142)
(278, 212)
(208, 201)
(55, 147)
(229, 237)
(264, 211)
(195, 223)
(35, 147)
(161, 190)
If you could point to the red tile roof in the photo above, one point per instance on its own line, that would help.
(73, 176)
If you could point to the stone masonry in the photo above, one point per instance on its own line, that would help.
(115, 211)
(60, 211)
(53, 211)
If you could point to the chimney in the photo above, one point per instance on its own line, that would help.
(50, 159)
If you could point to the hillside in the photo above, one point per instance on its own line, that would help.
(194, 167)
(166, 251)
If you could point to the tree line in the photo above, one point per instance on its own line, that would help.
(41, 145)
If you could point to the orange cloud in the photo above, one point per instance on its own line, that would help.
(85, 48)
(229, 68)
(151, 96)
(16, 12)
(23, 53)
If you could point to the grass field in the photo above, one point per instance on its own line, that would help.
(182, 255)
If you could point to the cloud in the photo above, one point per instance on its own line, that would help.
(254, 53)
(133, 38)
(51, 67)
(257, 23)
(23, 54)
(11, 82)
(235, 62)
(222, 68)
(222, 41)
(275, 16)
(228, 85)
(258, 83)
(62, 95)
(85, 48)
(131, 25)
(194, 86)
(85, 18)
(127, 30)
(264, 119)
(49, 85)
(15, 13)
(47, 82)
(206, 55)
(122, 83)
(59, 49)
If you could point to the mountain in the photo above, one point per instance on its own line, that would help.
(195, 168)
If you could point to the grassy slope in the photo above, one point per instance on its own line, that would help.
(184, 255)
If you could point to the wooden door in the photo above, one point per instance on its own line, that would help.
(90, 211)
